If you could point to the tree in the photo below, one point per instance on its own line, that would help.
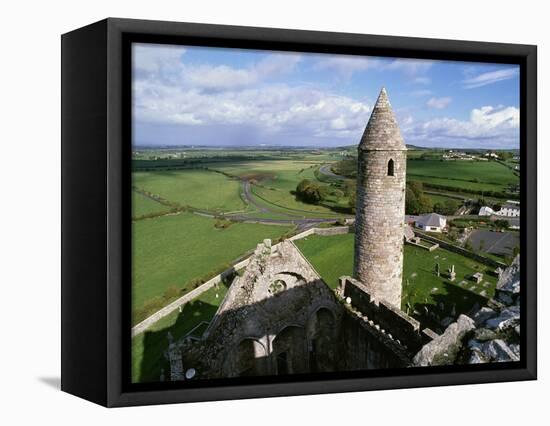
(309, 192)
(416, 202)
(352, 202)
(416, 187)
(448, 207)
(502, 223)
(411, 202)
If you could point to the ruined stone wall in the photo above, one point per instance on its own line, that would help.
(395, 323)
(379, 226)
(462, 251)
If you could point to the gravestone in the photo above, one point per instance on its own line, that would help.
(452, 273)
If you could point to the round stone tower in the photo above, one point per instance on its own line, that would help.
(380, 209)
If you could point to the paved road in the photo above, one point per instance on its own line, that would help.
(501, 243)
(288, 218)
(325, 169)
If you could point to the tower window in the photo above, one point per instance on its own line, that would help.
(390, 168)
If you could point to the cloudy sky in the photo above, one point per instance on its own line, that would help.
(231, 97)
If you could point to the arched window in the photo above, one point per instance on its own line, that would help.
(390, 168)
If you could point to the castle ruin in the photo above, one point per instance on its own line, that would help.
(279, 317)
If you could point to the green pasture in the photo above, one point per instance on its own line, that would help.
(170, 251)
(197, 188)
(276, 182)
(148, 347)
(476, 175)
(442, 199)
(332, 257)
(143, 205)
(288, 202)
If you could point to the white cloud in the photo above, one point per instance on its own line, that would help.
(271, 108)
(439, 103)
(220, 95)
(422, 80)
(410, 66)
(217, 77)
(346, 65)
(490, 77)
(491, 117)
(223, 77)
(153, 58)
(488, 126)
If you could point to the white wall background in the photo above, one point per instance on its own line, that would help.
(30, 210)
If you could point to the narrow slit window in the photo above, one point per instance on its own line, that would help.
(390, 168)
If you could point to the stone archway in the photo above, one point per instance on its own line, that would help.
(322, 340)
(289, 351)
(248, 358)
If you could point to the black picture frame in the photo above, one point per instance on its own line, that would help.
(96, 217)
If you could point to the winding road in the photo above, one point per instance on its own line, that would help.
(325, 169)
(289, 219)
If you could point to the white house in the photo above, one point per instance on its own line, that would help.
(510, 209)
(486, 211)
(431, 222)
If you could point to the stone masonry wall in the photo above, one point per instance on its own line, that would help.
(393, 321)
(379, 227)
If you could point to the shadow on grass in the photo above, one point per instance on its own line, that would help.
(455, 298)
(156, 342)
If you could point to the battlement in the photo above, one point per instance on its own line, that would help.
(393, 321)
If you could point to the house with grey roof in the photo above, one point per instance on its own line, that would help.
(431, 222)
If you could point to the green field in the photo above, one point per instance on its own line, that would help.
(143, 205)
(332, 257)
(172, 250)
(442, 199)
(276, 182)
(201, 189)
(148, 347)
(476, 175)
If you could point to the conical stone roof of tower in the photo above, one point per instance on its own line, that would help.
(382, 132)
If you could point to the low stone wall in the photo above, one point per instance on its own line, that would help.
(430, 248)
(168, 309)
(462, 251)
(336, 230)
(395, 322)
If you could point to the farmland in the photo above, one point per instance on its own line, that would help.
(198, 211)
(170, 252)
(275, 182)
(143, 205)
(201, 189)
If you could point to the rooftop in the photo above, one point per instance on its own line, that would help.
(382, 132)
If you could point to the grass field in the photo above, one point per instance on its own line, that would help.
(175, 249)
(142, 205)
(277, 180)
(442, 199)
(148, 347)
(201, 189)
(487, 176)
(332, 257)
